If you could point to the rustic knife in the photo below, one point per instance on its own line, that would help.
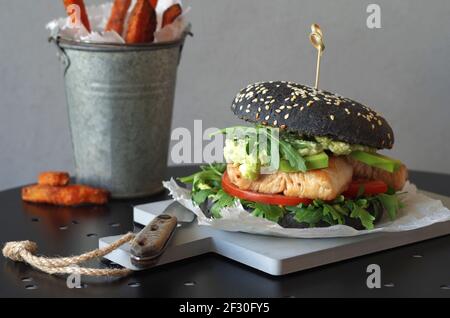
(149, 244)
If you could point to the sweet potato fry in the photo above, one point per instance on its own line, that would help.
(54, 178)
(153, 3)
(142, 23)
(118, 15)
(83, 13)
(171, 14)
(71, 195)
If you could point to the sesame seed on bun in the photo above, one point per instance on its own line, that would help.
(312, 113)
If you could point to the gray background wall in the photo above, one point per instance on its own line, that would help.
(402, 69)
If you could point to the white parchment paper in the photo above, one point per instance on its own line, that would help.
(98, 18)
(419, 211)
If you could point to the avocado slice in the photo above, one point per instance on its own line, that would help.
(376, 160)
(317, 161)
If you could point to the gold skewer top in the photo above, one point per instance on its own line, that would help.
(316, 38)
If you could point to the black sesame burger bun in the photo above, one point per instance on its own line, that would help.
(310, 112)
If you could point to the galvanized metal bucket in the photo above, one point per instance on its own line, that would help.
(120, 101)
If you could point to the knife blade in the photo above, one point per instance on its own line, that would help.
(149, 244)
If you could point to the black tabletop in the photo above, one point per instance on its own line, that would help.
(420, 269)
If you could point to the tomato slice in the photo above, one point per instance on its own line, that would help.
(272, 199)
(371, 187)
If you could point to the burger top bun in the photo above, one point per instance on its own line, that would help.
(310, 112)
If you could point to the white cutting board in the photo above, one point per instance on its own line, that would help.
(275, 256)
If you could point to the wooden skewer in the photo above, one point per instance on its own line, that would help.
(316, 38)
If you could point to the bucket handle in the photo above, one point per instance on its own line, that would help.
(62, 55)
(186, 32)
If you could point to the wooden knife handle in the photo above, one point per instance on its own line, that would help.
(150, 243)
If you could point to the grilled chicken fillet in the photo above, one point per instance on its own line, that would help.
(325, 184)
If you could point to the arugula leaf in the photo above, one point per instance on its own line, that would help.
(340, 209)
(209, 177)
(364, 216)
(200, 196)
(329, 210)
(207, 183)
(306, 214)
(292, 156)
(288, 152)
(221, 200)
(187, 179)
(270, 212)
(339, 199)
(391, 203)
(218, 168)
(336, 211)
